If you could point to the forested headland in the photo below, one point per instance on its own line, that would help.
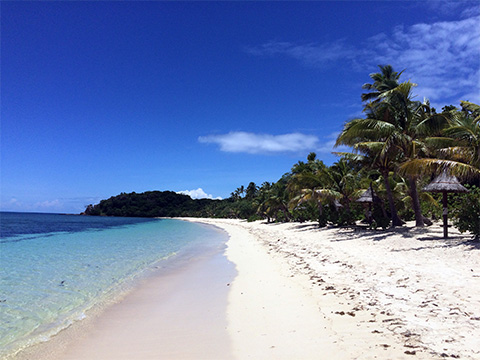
(398, 147)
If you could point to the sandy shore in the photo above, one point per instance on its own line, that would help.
(300, 292)
(308, 293)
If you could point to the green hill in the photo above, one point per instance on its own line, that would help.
(154, 204)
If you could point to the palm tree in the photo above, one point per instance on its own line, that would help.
(406, 123)
(317, 196)
(274, 199)
(308, 186)
(385, 80)
(238, 193)
(371, 138)
(458, 147)
(251, 191)
(344, 180)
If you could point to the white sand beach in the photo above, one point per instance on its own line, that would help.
(299, 292)
(307, 293)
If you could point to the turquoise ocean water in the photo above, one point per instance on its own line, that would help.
(53, 268)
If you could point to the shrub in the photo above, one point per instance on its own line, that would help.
(466, 212)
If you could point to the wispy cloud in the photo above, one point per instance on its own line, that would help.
(442, 57)
(48, 204)
(313, 54)
(246, 142)
(466, 8)
(471, 11)
(17, 205)
(198, 194)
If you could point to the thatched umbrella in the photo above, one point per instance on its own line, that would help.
(445, 183)
(368, 197)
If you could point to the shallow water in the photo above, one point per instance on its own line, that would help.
(55, 267)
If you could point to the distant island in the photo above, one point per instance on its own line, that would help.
(156, 204)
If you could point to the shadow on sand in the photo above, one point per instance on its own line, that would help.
(432, 234)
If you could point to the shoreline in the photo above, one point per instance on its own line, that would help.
(296, 291)
(121, 327)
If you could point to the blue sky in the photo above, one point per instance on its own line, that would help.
(99, 98)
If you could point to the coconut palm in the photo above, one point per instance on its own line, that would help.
(403, 125)
(458, 147)
(318, 196)
(372, 139)
(309, 186)
(385, 80)
(274, 199)
(343, 178)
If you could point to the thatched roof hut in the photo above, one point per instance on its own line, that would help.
(368, 196)
(445, 183)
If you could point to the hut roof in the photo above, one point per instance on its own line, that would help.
(368, 196)
(447, 183)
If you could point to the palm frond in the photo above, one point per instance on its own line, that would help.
(417, 167)
(350, 156)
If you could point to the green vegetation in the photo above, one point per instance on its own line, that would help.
(152, 204)
(398, 146)
(467, 212)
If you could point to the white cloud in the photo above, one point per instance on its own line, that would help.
(11, 205)
(20, 205)
(246, 142)
(465, 8)
(48, 204)
(473, 10)
(443, 58)
(314, 54)
(198, 194)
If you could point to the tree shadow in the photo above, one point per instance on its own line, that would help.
(424, 234)
(357, 231)
(433, 233)
(467, 245)
(308, 227)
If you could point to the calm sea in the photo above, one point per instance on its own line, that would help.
(53, 268)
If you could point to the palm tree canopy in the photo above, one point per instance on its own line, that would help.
(385, 80)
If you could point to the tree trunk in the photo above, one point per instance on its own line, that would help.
(445, 214)
(320, 215)
(415, 201)
(396, 221)
(286, 213)
(348, 210)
